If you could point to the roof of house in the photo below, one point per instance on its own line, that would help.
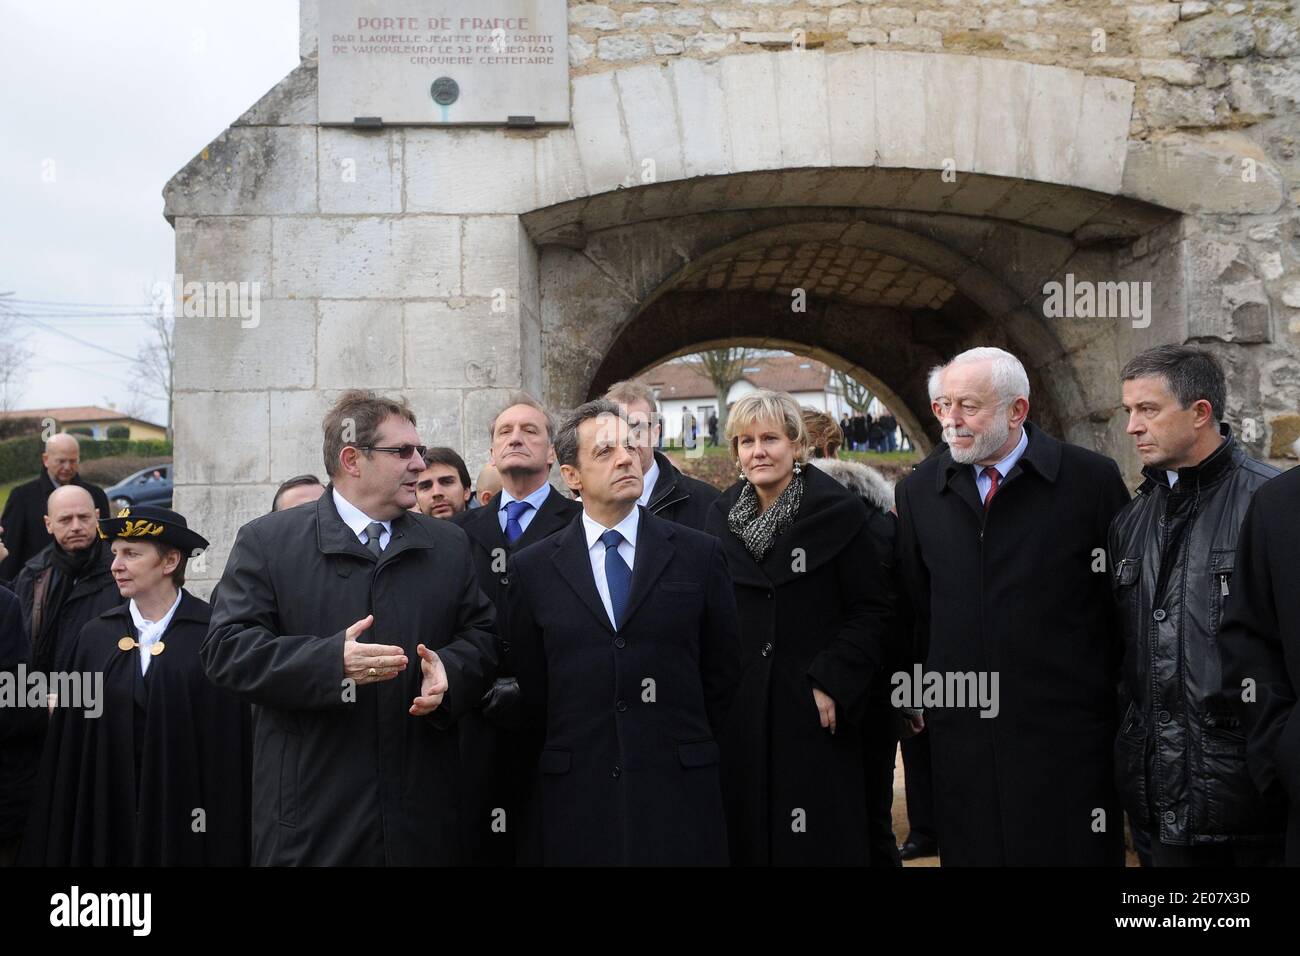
(784, 373)
(75, 413)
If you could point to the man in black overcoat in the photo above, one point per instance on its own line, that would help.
(1259, 643)
(525, 510)
(624, 634)
(68, 582)
(358, 631)
(1001, 548)
(23, 519)
(66, 585)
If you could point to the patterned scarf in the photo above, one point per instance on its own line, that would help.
(757, 531)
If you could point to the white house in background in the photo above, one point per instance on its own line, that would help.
(683, 388)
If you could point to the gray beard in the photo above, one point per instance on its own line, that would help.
(983, 446)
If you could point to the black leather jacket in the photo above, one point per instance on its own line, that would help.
(680, 498)
(1180, 758)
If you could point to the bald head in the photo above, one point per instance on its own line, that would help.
(488, 484)
(62, 457)
(71, 517)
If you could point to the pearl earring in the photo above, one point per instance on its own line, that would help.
(798, 468)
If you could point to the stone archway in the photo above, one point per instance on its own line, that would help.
(976, 180)
(888, 292)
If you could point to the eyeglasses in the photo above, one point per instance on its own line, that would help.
(403, 452)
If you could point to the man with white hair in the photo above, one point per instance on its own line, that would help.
(1001, 549)
(23, 520)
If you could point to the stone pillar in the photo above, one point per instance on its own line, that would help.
(391, 260)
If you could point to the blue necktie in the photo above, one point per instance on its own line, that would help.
(514, 511)
(618, 576)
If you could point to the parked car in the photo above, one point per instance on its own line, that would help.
(148, 486)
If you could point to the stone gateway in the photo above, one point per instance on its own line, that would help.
(917, 173)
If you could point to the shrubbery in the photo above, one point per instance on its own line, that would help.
(21, 457)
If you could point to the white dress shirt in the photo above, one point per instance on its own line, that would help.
(648, 483)
(536, 499)
(149, 632)
(596, 551)
(983, 482)
(357, 520)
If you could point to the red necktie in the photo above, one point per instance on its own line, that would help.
(994, 476)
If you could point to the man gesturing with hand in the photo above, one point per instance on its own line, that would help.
(369, 663)
(320, 618)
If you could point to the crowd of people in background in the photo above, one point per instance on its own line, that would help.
(400, 665)
(864, 432)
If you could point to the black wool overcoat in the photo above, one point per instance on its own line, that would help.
(814, 611)
(345, 774)
(626, 720)
(1021, 590)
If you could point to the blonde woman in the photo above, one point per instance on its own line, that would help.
(814, 618)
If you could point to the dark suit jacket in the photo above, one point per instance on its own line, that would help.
(489, 541)
(493, 768)
(627, 721)
(679, 497)
(24, 520)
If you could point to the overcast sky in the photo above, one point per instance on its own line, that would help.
(103, 103)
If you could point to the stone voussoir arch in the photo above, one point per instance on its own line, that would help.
(1034, 146)
(639, 267)
(862, 108)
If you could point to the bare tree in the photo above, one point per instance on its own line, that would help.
(15, 357)
(856, 395)
(724, 367)
(157, 360)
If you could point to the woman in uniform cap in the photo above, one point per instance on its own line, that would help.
(160, 777)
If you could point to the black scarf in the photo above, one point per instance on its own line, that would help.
(68, 567)
(757, 531)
